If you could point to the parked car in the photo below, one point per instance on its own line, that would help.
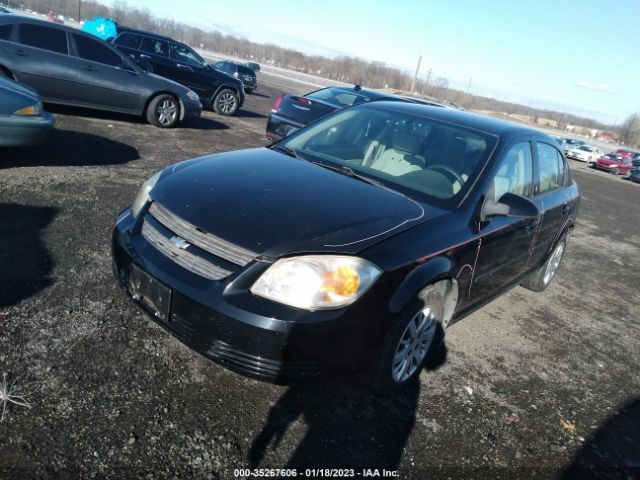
(635, 168)
(243, 73)
(584, 153)
(292, 112)
(613, 163)
(179, 62)
(626, 153)
(69, 67)
(23, 121)
(253, 66)
(4, 10)
(570, 143)
(351, 244)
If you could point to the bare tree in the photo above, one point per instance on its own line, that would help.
(630, 130)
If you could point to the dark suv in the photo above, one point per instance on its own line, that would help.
(179, 62)
(242, 72)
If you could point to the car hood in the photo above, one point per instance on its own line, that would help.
(606, 161)
(14, 96)
(274, 205)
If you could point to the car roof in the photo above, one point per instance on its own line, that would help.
(463, 118)
(124, 29)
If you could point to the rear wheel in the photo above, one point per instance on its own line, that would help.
(541, 278)
(163, 111)
(226, 102)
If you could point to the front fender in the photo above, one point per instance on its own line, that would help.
(421, 276)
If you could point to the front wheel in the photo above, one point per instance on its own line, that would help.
(163, 111)
(226, 102)
(615, 171)
(541, 278)
(417, 332)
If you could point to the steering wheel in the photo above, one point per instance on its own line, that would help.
(448, 172)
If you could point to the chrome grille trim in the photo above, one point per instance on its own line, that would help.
(206, 241)
(185, 259)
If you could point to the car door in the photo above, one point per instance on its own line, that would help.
(192, 71)
(553, 201)
(158, 53)
(104, 79)
(42, 61)
(129, 44)
(504, 245)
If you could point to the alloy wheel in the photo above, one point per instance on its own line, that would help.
(227, 103)
(166, 112)
(553, 263)
(414, 344)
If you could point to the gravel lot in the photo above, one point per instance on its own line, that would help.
(532, 386)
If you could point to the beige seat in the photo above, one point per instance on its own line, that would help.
(402, 157)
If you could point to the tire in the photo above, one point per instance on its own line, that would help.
(417, 333)
(541, 278)
(615, 171)
(163, 111)
(226, 102)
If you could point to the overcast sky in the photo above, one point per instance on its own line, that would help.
(580, 56)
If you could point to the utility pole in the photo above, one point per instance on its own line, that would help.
(79, 4)
(429, 75)
(469, 86)
(415, 77)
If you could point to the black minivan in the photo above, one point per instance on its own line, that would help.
(179, 62)
(351, 244)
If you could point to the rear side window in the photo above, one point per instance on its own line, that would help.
(155, 46)
(337, 97)
(551, 168)
(5, 31)
(246, 71)
(129, 40)
(89, 49)
(52, 39)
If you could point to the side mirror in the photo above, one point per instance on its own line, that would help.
(292, 131)
(509, 205)
(145, 63)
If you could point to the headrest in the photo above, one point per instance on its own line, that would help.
(406, 142)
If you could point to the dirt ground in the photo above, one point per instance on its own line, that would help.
(532, 386)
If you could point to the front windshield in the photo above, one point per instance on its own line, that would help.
(186, 55)
(419, 156)
(585, 148)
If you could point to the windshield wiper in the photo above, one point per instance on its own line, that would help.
(348, 171)
(289, 151)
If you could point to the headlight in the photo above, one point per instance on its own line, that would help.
(193, 96)
(317, 282)
(143, 195)
(30, 111)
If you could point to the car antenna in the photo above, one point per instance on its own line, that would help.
(357, 87)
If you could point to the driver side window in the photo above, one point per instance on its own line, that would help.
(515, 172)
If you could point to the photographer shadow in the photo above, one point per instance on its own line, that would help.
(347, 424)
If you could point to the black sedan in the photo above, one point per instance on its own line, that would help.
(23, 122)
(291, 112)
(69, 67)
(350, 245)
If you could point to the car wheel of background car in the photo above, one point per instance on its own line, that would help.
(614, 170)
(416, 333)
(541, 278)
(226, 102)
(163, 111)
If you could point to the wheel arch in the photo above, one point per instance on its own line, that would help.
(420, 278)
(7, 72)
(222, 87)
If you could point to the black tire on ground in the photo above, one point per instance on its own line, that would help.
(164, 111)
(541, 278)
(226, 102)
(388, 374)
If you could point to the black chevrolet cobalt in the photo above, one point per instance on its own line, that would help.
(347, 246)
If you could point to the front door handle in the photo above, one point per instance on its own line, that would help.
(89, 68)
(142, 55)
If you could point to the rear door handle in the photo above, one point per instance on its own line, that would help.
(20, 53)
(89, 68)
(142, 55)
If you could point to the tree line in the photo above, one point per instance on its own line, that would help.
(345, 68)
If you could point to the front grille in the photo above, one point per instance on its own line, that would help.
(182, 257)
(206, 241)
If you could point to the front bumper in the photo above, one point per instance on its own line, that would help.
(250, 335)
(18, 131)
(608, 168)
(191, 109)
